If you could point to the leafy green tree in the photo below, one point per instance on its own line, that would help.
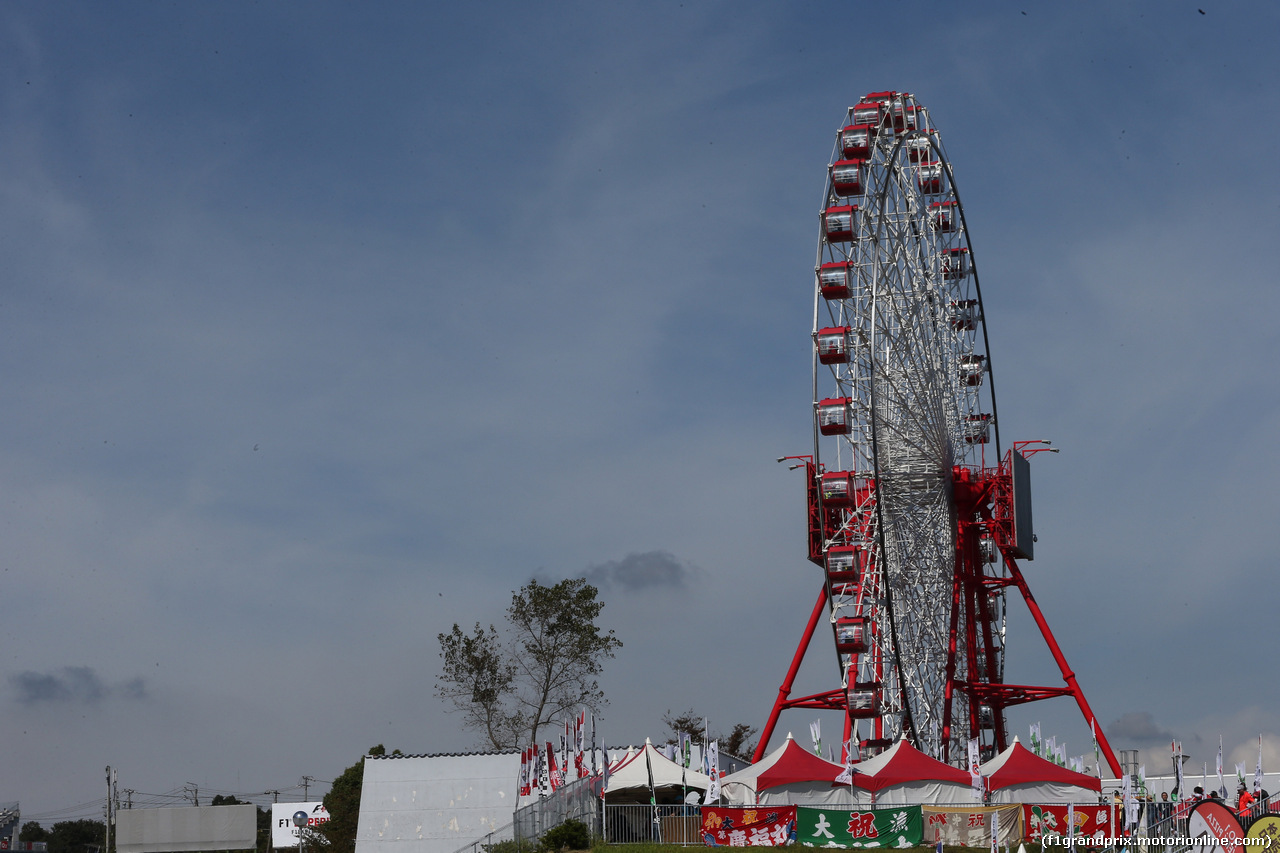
(77, 836)
(686, 723)
(343, 804)
(478, 680)
(545, 667)
(32, 831)
(738, 742)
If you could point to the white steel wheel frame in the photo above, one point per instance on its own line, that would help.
(918, 378)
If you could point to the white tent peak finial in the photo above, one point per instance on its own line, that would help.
(1015, 738)
(789, 737)
(647, 742)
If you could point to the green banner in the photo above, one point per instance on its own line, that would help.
(900, 827)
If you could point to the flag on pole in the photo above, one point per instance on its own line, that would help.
(1035, 738)
(1222, 786)
(553, 771)
(713, 766)
(1097, 759)
(1240, 773)
(1178, 785)
(604, 764)
(522, 786)
(846, 775)
(1128, 803)
(544, 772)
(1257, 772)
(975, 772)
(593, 744)
(995, 832)
(815, 734)
(1071, 826)
(579, 744)
(653, 794)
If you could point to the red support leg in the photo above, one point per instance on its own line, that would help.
(785, 690)
(1067, 675)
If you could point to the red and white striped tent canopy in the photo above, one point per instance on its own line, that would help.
(1018, 775)
(789, 774)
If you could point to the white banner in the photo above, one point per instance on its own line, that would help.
(283, 831)
(975, 772)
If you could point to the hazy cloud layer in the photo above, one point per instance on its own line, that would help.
(648, 570)
(1139, 726)
(73, 685)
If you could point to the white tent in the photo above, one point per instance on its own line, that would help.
(630, 779)
(806, 780)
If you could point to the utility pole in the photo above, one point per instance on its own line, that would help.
(106, 847)
(306, 786)
(194, 791)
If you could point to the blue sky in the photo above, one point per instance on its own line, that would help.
(326, 326)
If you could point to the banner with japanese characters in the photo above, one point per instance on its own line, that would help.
(961, 827)
(762, 826)
(1092, 822)
(884, 827)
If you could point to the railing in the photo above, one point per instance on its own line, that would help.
(579, 800)
(1162, 819)
(484, 842)
(646, 823)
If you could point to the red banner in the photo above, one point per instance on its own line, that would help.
(762, 826)
(1095, 822)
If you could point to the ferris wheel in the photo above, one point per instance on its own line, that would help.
(916, 515)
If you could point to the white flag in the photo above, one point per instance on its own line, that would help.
(713, 762)
(1222, 786)
(846, 775)
(815, 734)
(1179, 784)
(975, 772)
(1130, 804)
(1257, 773)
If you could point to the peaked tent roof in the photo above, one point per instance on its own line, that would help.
(1018, 765)
(793, 763)
(633, 772)
(903, 763)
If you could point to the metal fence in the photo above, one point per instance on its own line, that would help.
(574, 801)
(484, 842)
(1163, 819)
(660, 824)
